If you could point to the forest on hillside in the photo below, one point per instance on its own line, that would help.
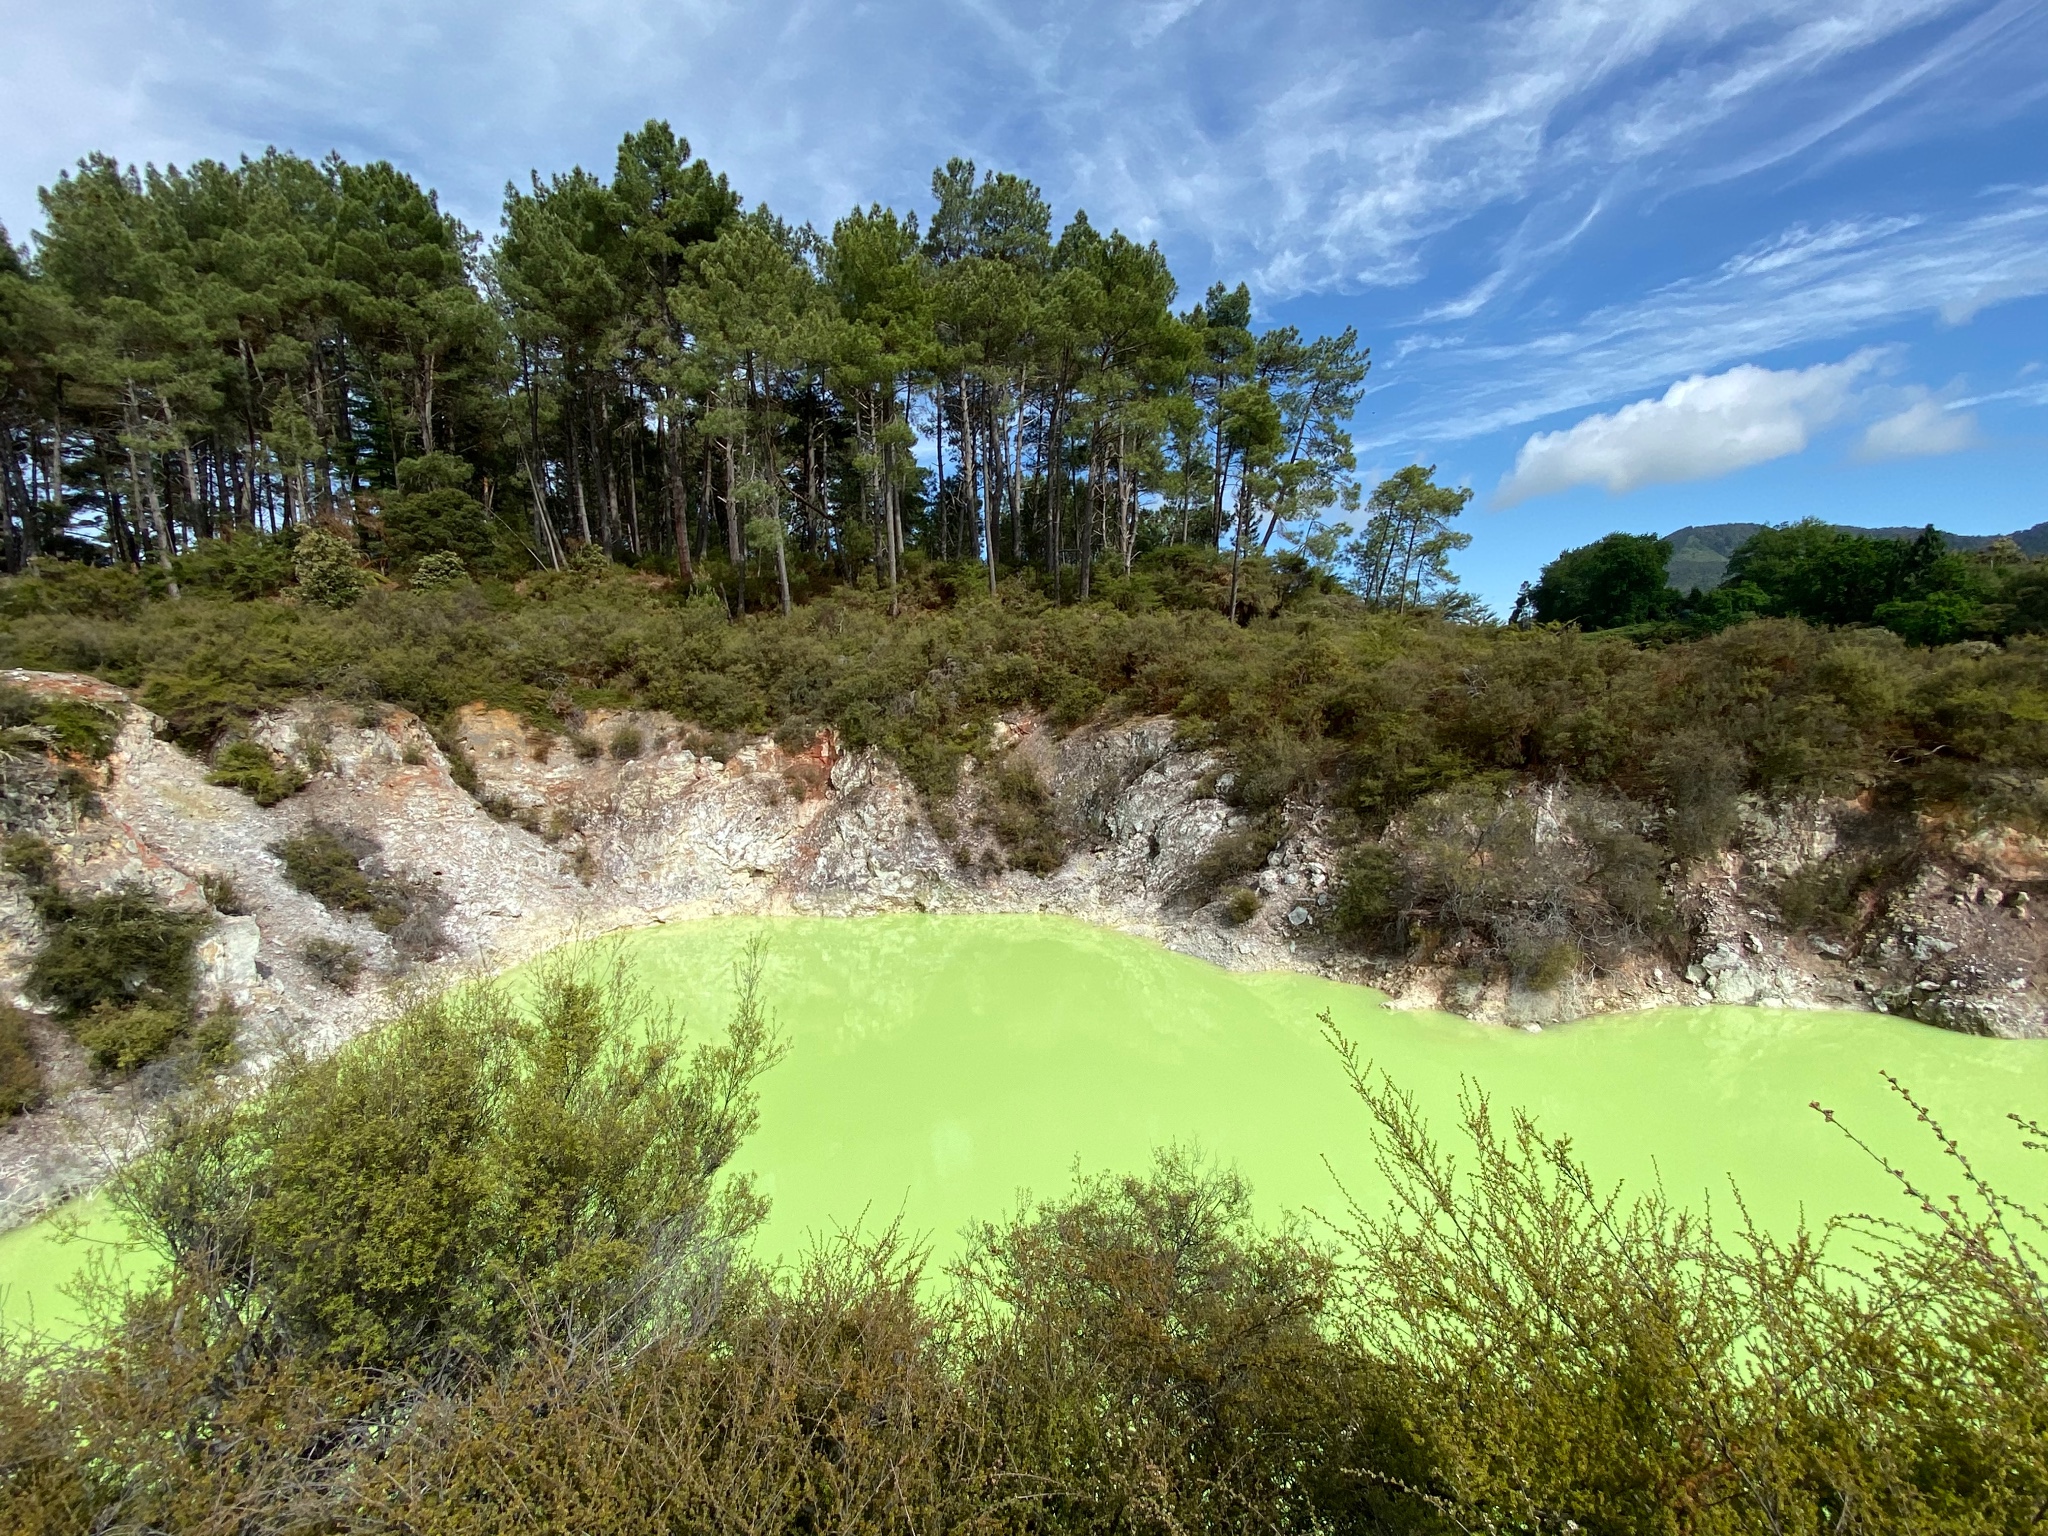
(640, 366)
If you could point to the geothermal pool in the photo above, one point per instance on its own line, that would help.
(939, 1066)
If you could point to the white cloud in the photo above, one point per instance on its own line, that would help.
(1700, 427)
(1924, 428)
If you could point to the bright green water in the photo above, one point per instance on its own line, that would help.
(939, 1065)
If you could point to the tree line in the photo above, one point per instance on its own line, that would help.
(642, 367)
(1918, 588)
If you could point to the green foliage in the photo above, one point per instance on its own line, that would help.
(119, 951)
(250, 565)
(336, 867)
(254, 770)
(1241, 906)
(33, 860)
(1234, 853)
(121, 1039)
(483, 1162)
(215, 1040)
(222, 896)
(627, 743)
(424, 524)
(338, 964)
(438, 571)
(1917, 588)
(327, 570)
(1368, 892)
(1015, 808)
(1571, 1357)
(31, 722)
(21, 1075)
(1613, 582)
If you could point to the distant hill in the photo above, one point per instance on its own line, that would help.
(1699, 555)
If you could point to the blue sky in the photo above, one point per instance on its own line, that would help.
(1622, 263)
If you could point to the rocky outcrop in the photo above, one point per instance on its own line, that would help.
(636, 818)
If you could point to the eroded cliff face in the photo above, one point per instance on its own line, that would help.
(637, 819)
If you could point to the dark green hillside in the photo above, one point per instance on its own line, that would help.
(1699, 554)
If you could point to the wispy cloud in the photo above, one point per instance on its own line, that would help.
(1801, 288)
(1321, 143)
(1924, 429)
(1699, 428)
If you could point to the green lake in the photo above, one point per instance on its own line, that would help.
(939, 1066)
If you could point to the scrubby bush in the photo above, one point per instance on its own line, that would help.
(21, 1075)
(341, 870)
(32, 860)
(1241, 906)
(117, 968)
(121, 950)
(627, 743)
(120, 1039)
(481, 1164)
(327, 569)
(256, 771)
(222, 895)
(1530, 882)
(438, 571)
(338, 964)
(51, 723)
(1239, 851)
(326, 862)
(1016, 809)
(250, 565)
(215, 1041)
(439, 524)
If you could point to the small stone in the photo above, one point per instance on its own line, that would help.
(1299, 917)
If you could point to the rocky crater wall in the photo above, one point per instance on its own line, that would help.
(636, 818)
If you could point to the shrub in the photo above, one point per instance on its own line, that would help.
(221, 894)
(245, 765)
(249, 565)
(215, 1039)
(118, 951)
(39, 722)
(440, 570)
(1016, 809)
(437, 524)
(121, 1039)
(481, 1163)
(586, 746)
(1368, 896)
(627, 743)
(333, 866)
(326, 862)
(31, 858)
(1241, 906)
(327, 570)
(21, 1075)
(338, 964)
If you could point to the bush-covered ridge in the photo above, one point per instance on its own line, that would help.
(1918, 588)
